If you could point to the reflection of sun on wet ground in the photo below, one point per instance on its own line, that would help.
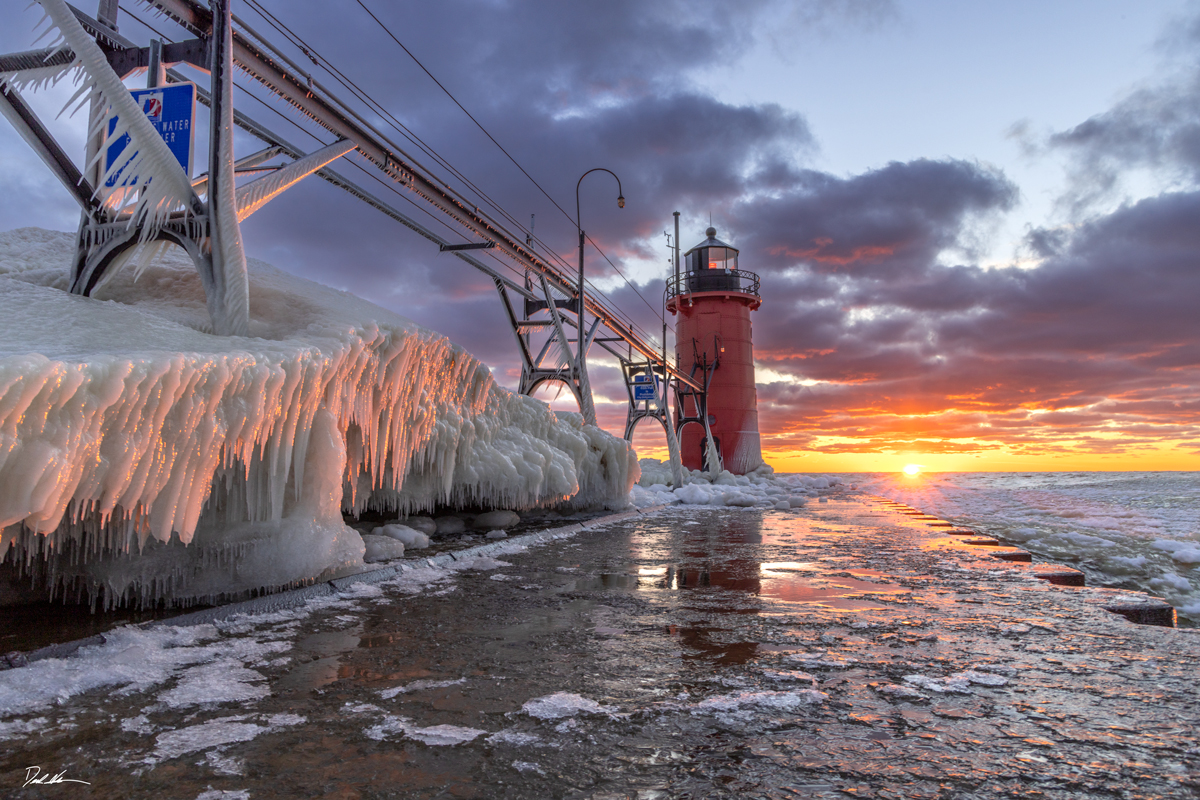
(740, 553)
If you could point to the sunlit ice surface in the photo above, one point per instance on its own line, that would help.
(697, 652)
(146, 461)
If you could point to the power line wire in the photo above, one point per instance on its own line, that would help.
(479, 125)
(365, 97)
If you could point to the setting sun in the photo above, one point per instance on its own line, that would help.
(912, 469)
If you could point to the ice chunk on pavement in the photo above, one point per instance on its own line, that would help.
(418, 686)
(412, 539)
(435, 736)
(450, 525)
(443, 735)
(222, 681)
(953, 684)
(895, 690)
(980, 678)
(381, 548)
(772, 701)
(497, 535)
(560, 705)
(492, 520)
(131, 659)
(425, 525)
(224, 794)
(516, 738)
(214, 733)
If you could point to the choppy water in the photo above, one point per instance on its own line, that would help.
(1134, 530)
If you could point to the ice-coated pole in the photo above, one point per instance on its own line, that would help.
(677, 249)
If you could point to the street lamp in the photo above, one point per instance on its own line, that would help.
(582, 335)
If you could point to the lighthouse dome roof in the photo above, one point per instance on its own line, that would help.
(712, 241)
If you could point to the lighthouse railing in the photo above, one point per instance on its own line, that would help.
(713, 280)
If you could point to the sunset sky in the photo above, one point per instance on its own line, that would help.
(977, 224)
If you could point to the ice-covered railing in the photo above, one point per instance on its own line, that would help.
(126, 430)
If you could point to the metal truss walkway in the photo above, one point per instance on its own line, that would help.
(547, 300)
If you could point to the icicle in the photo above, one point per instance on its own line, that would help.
(184, 475)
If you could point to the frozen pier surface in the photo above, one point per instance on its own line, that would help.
(837, 648)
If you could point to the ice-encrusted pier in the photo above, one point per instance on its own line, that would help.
(145, 459)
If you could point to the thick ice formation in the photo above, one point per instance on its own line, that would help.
(127, 430)
(761, 489)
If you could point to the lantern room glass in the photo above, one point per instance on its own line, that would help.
(720, 258)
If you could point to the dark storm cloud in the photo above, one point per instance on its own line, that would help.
(563, 88)
(889, 223)
(1092, 349)
(868, 280)
(1100, 337)
(1156, 127)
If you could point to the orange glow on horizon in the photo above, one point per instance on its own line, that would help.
(985, 458)
(864, 440)
(1160, 459)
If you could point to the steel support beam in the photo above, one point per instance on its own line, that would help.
(44, 144)
(305, 95)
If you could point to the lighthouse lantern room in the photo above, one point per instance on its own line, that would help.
(712, 299)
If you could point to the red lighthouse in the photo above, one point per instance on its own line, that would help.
(712, 300)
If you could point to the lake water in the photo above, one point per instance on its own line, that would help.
(1135, 530)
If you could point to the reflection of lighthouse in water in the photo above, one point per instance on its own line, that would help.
(712, 300)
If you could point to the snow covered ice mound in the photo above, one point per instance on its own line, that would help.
(128, 431)
(758, 489)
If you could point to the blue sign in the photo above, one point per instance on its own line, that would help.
(643, 389)
(172, 111)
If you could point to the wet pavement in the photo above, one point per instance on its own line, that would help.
(843, 649)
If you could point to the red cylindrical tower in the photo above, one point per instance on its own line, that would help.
(712, 300)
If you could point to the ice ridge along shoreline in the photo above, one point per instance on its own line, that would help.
(127, 430)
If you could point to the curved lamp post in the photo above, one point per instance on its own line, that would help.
(589, 413)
